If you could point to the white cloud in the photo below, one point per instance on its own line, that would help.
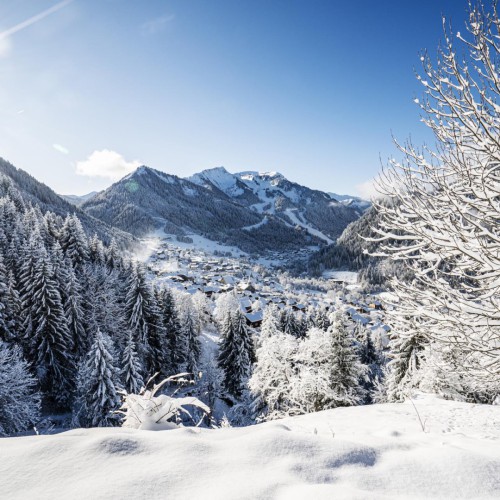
(156, 25)
(61, 149)
(106, 163)
(368, 190)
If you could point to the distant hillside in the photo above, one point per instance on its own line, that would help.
(78, 200)
(353, 201)
(352, 251)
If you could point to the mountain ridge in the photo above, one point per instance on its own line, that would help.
(255, 211)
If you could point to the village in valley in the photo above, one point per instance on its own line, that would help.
(194, 270)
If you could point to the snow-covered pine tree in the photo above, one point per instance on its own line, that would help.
(243, 332)
(131, 371)
(96, 251)
(346, 370)
(155, 360)
(47, 336)
(289, 324)
(73, 309)
(139, 309)
(270, 322)
(98, 385)
(6, 332)
(191, 333)
(406, 349)
(234, 358)
(112, 255)
(30, 253)
(175, 340)
(74, 241)
(369, 357)
(19, 396)
(321, 320)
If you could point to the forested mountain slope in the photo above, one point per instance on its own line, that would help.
(147, 200)
(272, 193)
(353, 250)
(38, 194)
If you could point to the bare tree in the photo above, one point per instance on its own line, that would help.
(440, 212)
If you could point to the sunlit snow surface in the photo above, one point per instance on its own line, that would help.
(372, 452)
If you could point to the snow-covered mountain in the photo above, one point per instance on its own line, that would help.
(271, 193)
(353, 201)
(78, 200)
(148, 200)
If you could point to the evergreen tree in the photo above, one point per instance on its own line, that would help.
(322, 321)
(242, 331)
(47, 335)
(5, 326)
(74, 241)
(131, 367)
(347, 372)
(234, 354)
(96, 250)
(175, 340)
(19, 398)
(73, 309)
(155, 357)
(407, 351)
(270, 322)
(191, 333)
(369, 358)
(138, 304)
(289, 324)
(98, 385)
(112, 255)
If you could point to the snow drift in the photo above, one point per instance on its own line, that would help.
(377, 451)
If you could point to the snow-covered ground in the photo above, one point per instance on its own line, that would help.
(375, 452)
(154, 242)
(350, 277)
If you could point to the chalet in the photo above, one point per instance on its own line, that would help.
(254, 319)
(246, 287)
(246, 305)
(210, 290)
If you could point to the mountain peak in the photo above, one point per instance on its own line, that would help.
(216, 170)
(252, 174)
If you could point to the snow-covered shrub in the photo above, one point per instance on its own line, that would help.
(149, 410)
(19, 398)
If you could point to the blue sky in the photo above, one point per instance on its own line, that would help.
(312, 89)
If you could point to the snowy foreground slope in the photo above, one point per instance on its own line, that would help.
(374, 451)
